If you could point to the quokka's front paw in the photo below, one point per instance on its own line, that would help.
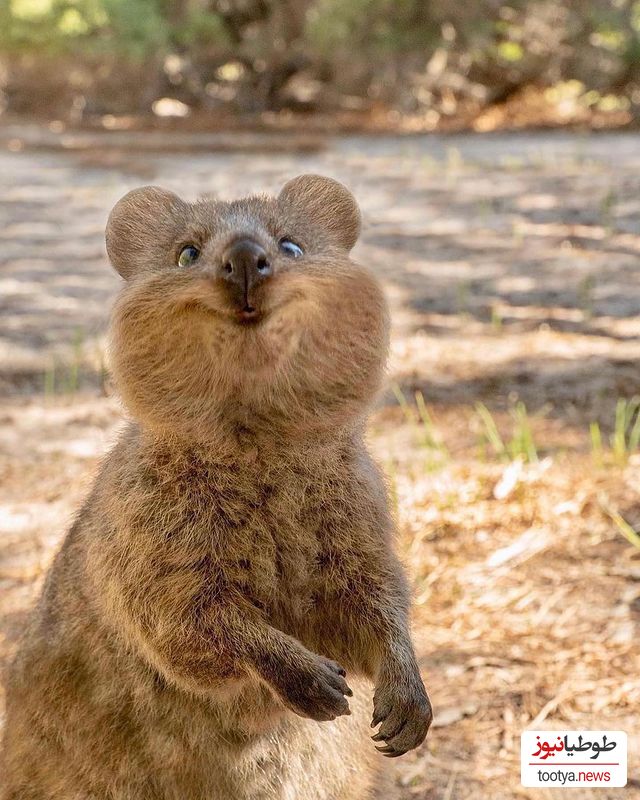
(403, 707)
(317, 689)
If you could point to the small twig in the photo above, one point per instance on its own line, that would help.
(547, 708)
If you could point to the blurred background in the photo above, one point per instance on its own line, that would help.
(388, 63)
(494, 150)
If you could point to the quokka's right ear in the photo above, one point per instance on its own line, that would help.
(142, 228)
(327, 202)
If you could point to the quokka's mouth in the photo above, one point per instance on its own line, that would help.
(249, 315)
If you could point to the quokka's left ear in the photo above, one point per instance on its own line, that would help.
(326, 202)
(142, 227)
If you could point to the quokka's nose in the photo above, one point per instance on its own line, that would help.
(244, 264)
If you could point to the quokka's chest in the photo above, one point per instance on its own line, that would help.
(272, 543)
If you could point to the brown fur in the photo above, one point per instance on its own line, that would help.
(237, 542)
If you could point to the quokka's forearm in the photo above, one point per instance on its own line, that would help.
(371, 615)
(387, 640)
(205, 646)
(225, 641)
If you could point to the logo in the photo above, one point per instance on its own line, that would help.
(573, 758)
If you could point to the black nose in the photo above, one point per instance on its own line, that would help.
(245, 264)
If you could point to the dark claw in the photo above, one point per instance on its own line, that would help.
(396, 731)
(386, 750)
(377, 720)
(378, 737)
(335, 667)
(318, 692)
(396, 754)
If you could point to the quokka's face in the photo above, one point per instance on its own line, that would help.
(248, 312)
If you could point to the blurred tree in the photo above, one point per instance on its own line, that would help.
(254, 55)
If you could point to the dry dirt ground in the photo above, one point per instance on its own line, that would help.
(511, 263)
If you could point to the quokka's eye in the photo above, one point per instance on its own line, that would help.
(290, 248)
(188, 256)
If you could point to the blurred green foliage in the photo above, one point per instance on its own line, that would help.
(131, 28)
(408, 54)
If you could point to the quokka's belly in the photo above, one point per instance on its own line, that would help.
(296, 759)
(173, 747)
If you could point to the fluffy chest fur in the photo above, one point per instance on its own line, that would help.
(182, 527)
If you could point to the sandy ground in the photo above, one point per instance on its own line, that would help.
(511, 263)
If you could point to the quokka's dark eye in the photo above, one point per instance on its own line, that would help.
(290, 248)
(188, 256)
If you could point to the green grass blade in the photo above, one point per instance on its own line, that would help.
(597, 452)
(526, 447)
(490, 430)
(631, 535)
(634, 434)
(619, 443)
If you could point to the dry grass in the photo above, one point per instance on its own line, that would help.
(516, 485)
(527, 605)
